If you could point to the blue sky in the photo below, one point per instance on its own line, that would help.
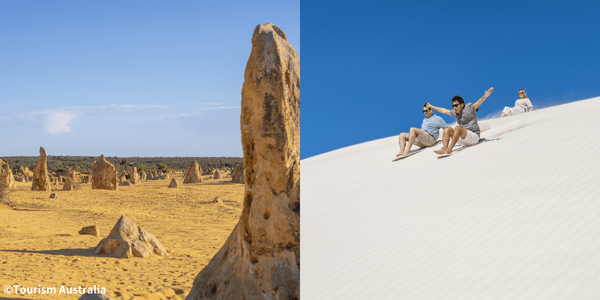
(369, 66)
(128, 78)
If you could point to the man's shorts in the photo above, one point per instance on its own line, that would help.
(471, 139)
(424, 139)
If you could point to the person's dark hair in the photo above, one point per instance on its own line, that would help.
(459, 99)
(424, 105)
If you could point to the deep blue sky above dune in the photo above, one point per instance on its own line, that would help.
(128, 78)
(369, 66)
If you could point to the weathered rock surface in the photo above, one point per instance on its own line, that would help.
(193, 173)
(127, 239)
(91, 230)
(237, 175)
(143, 176)
(261, 257)
(174, 183)
(218, 200)
(217, 175)
(25, 171)
(94, 297)
(69, 181)
(7, 179)
(134, 177)
(54, 196)
(104, 175)
(41, 181)
(125, 183)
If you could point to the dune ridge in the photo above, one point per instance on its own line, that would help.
(516, 217)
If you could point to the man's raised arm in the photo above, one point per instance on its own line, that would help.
(440, 109)
(485, 95)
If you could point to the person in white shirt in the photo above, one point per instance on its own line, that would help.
(521, 105)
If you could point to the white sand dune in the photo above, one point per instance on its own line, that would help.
(517, 217)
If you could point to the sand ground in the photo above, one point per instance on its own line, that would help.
(40, 244)
(516, 217)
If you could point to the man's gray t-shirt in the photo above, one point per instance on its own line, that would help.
(467, 118)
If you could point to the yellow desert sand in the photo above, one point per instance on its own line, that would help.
(41, 247)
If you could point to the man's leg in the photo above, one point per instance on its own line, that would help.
(411, 139)
(448, 132)
(403, 138)
(459, 132)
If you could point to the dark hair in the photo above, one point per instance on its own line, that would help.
(425, 104)
(459, 99)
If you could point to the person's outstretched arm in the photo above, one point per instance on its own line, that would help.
(440, 109)
(485, 95)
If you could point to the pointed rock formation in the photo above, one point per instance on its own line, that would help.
(69, 181)
(174, 183)
(41, 181)
(127, 239)
(217, 175)
(7, 179)
(25, 171)
(143, 176)
(193, 173)
(261, 257)
(104, 175)
(134, 177)
(237, 175)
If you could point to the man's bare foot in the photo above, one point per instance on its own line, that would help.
(443, 151)
(400, 154)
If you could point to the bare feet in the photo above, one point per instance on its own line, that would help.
(443, 151)
(400, 154)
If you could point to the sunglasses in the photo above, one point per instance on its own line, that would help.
(426, 110)
(521, 93)
(455, 105)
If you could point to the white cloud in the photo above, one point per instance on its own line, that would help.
(59, 120)
(202, 111)
(121, 107)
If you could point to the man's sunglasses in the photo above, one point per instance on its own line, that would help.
(426, 110)
(455, 105)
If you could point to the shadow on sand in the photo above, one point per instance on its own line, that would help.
(220, 183)
(64, 252)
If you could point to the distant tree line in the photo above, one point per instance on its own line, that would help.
(84, 164)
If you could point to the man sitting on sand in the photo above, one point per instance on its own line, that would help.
(521, 105)
(467, 131)
(424, 137)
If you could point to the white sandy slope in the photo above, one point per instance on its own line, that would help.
(517, 217)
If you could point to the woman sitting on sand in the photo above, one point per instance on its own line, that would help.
(521, 105)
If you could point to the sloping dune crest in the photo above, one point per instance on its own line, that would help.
(516, 217)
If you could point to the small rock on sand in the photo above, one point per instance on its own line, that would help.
(91, 230)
